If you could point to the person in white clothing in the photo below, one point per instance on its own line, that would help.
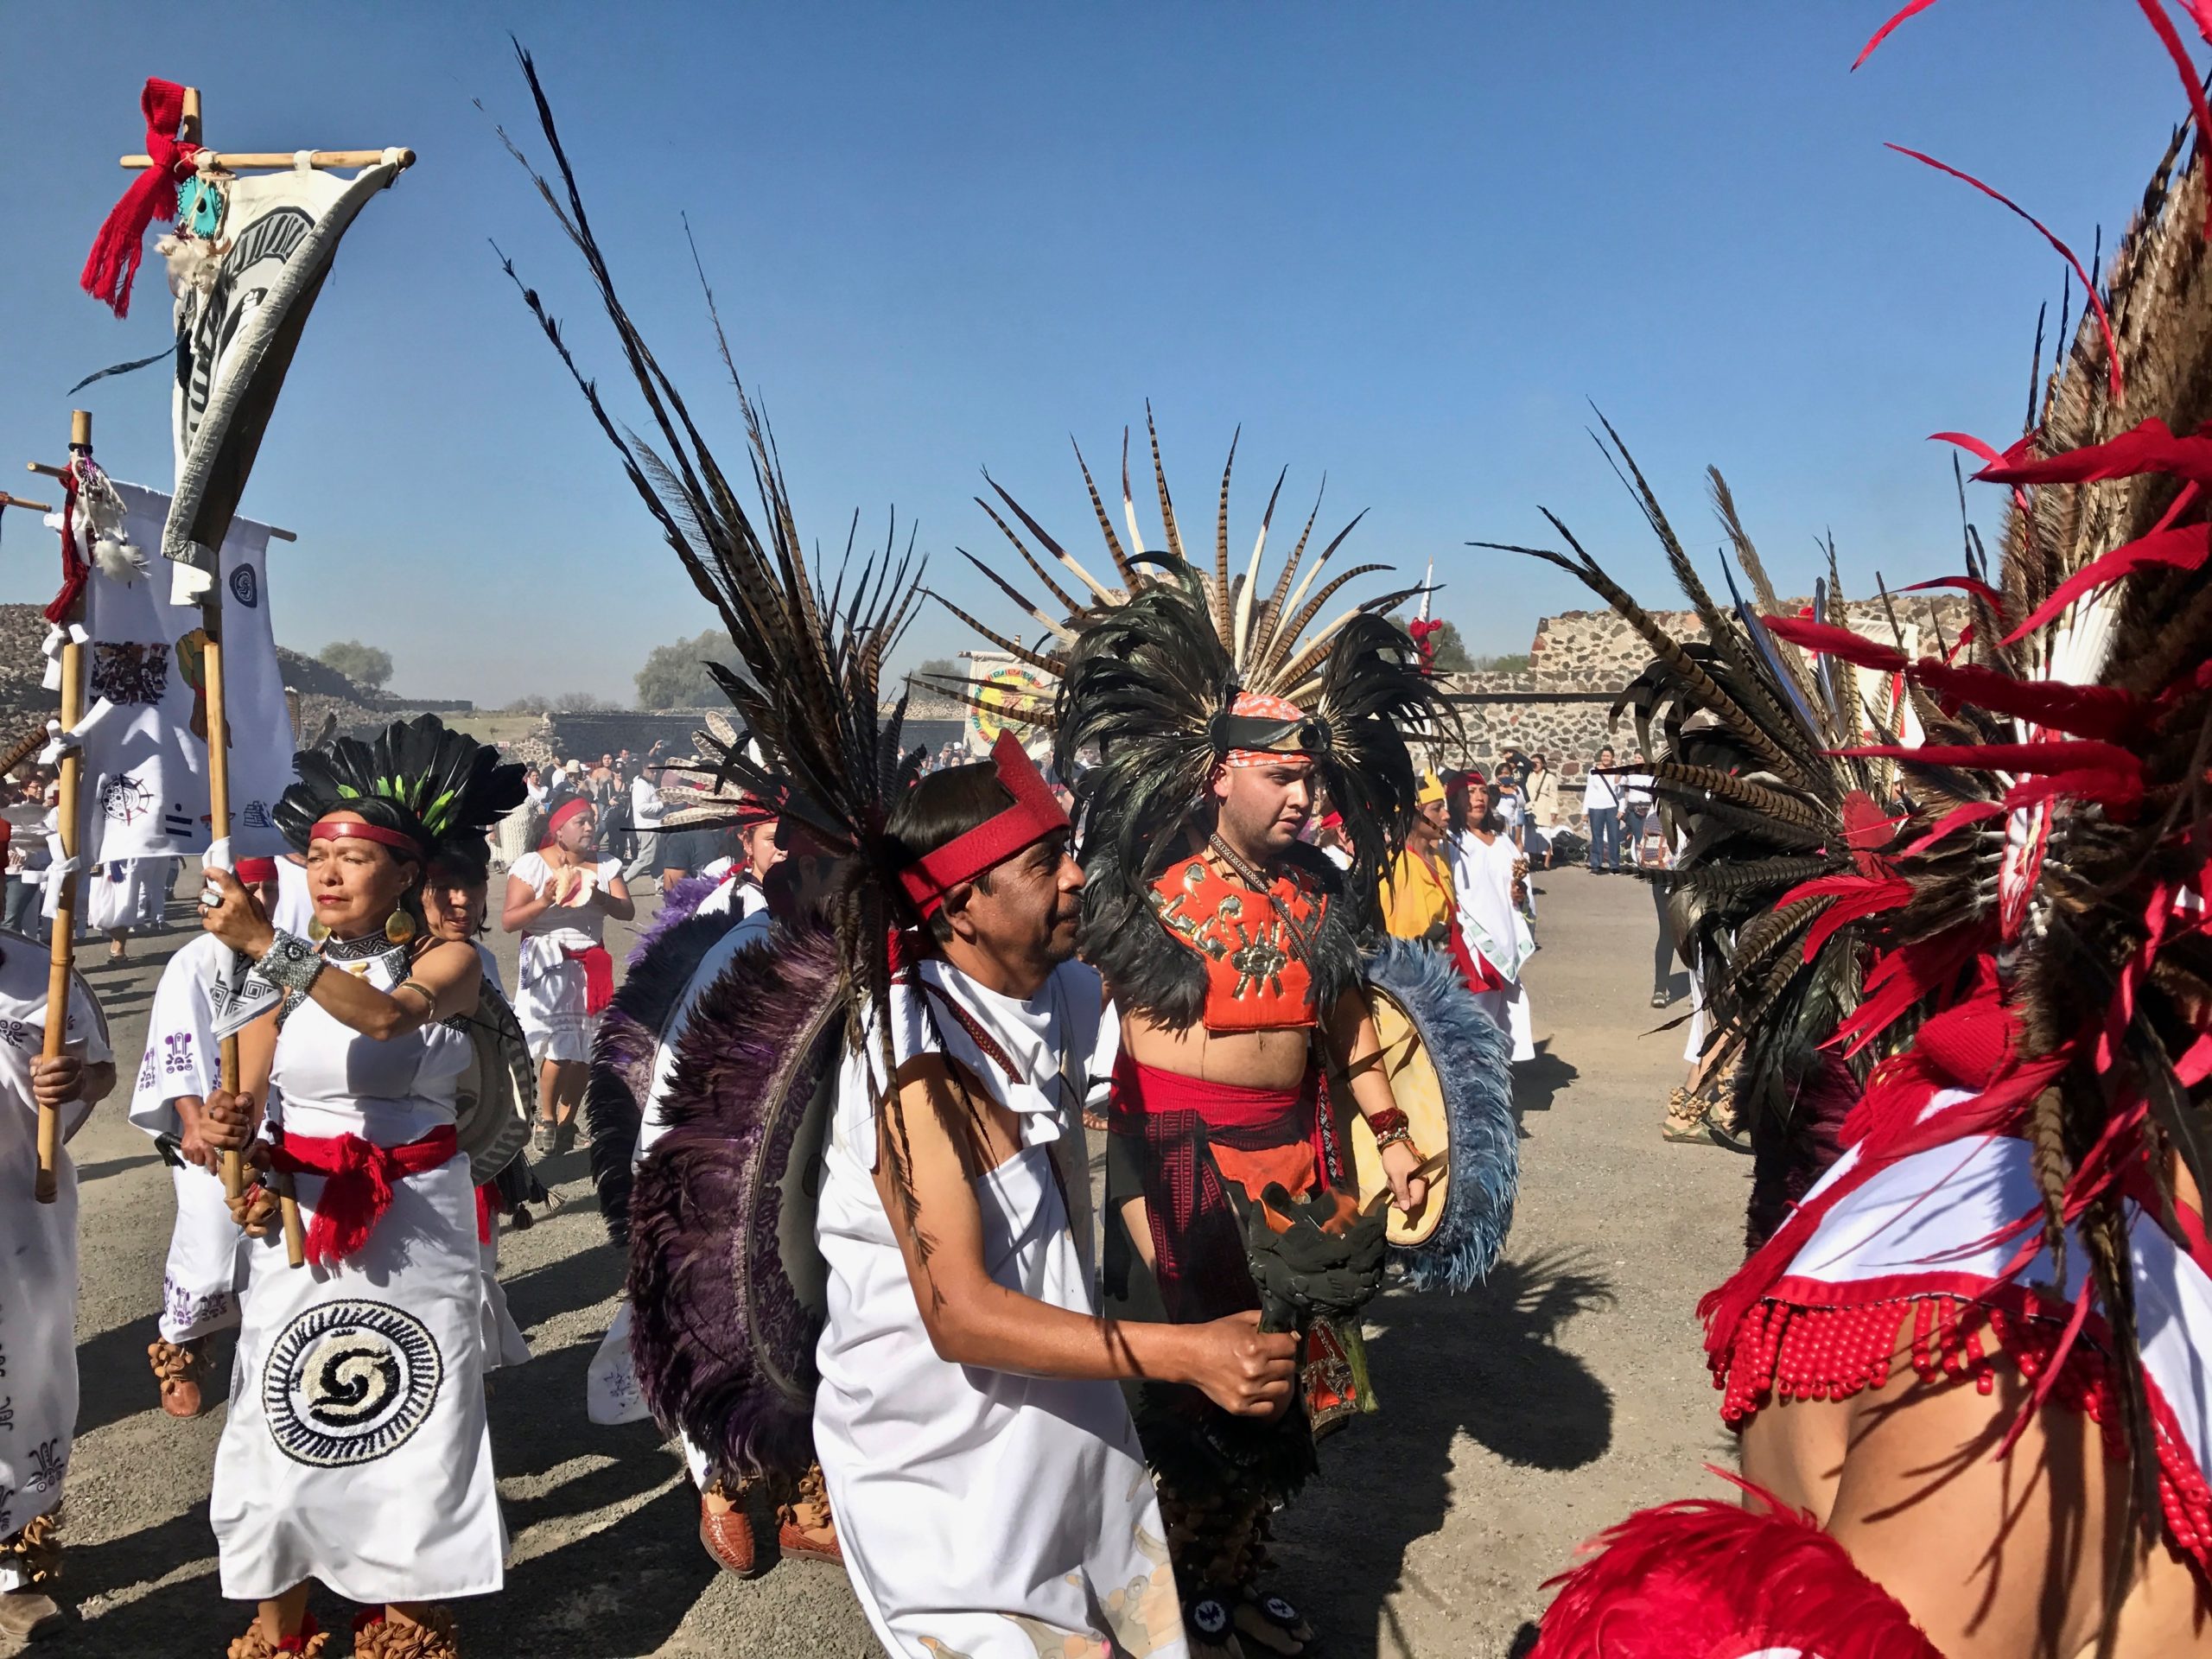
(1487, 870)
(207, 1266)
(558, 898)
(646, 810)
(38, 1282)
(991, 1493)
(356, 1454)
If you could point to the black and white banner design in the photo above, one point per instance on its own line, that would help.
(349, 1381)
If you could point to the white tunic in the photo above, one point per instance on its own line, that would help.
(1482, 878)
(207, 1266)
(552, 1005)
(38, 1249)
(356, 1452)
(981, 1512)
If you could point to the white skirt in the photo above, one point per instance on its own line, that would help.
(207, 1259)
(550, 1010)
(1508, 1011)
(356, 1452)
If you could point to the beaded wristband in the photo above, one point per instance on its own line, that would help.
(290, 964)
(1389, 1121)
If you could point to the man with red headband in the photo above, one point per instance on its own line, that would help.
(989, 1484)
(207, 1268)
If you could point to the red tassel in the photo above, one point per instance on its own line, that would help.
(1828, 640)
(1883, 33)
(2185, 549)
(121, 243)
(2088, 283)
(2147, 448)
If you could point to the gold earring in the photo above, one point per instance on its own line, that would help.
(399, 927)
(318, 930)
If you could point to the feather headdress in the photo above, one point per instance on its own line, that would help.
(1159, 675)
(1752, 746)
(439, 787)
(811, 653)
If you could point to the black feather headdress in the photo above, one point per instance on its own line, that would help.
(1147, 677)
(437, 786)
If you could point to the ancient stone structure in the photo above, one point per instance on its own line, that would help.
(1579, 661)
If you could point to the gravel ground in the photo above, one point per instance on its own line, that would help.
(1516, 1420)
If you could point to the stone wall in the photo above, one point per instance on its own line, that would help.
(1592, 655)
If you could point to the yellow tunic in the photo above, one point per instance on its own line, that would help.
(1418, 902)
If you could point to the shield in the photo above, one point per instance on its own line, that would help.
(727, 1283)
(1450, 1072)
(497, 1095)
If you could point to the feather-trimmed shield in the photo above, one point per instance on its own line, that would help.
(1470, 1060)
(726, 1280)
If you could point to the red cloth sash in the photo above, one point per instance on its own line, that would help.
(1177, 1121)
(599, 977)
(359, 1178)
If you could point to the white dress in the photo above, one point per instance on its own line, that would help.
(125, 896)
(357, 1453)
(1482, 877)
(207, 1263)
(983, 1513)
(552, 1006)
(38, 1251)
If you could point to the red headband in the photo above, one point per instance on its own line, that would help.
(354, 829)
(250, 870)
(562, 814)
(1034, 815)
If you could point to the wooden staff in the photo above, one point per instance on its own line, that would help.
(219, 811)
(61, 952)
(233, 162)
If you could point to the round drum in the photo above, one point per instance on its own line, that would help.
(1420, 1095)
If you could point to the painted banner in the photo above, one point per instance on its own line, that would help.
(145, 729)
(247, 263)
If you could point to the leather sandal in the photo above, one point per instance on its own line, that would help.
(309, 1641)
(805, 1530)
(427, 1636)
(1211, 1622)
(726, 1535)
(179, 1367)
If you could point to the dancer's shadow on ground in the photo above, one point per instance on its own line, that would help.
(114, 1380)
(1535, 1082)
(1485, 1364)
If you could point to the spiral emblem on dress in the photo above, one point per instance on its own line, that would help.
(349, 1381)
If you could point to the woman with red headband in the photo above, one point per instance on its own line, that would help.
(559, 899)
(356, 1452)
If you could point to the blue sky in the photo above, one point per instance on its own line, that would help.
(1406, 245)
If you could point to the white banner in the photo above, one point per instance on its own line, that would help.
(145, 731)
(237, 324)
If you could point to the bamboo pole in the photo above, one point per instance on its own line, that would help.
(62, 950)
(40, 467)
(8, 500)
(272, 159)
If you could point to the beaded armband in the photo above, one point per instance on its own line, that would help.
(290, 964)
